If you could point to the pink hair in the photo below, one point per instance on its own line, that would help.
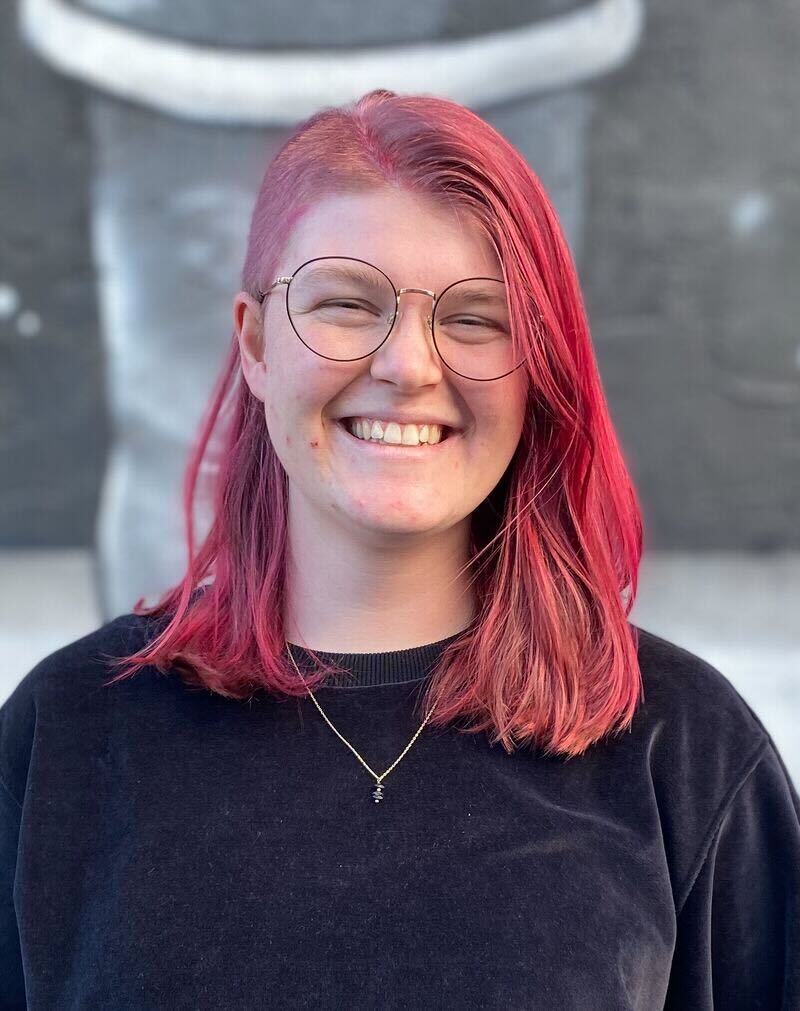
(550, 659)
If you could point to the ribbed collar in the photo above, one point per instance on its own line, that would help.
(371, 669)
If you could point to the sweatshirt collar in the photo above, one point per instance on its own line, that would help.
(371, 669)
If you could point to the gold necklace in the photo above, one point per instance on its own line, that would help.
(377, 793)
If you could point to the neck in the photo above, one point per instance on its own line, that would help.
(369, 591)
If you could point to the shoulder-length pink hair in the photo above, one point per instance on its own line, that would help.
(550, 658)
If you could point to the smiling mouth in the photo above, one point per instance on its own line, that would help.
(394, 437)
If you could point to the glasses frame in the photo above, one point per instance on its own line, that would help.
(397, 293)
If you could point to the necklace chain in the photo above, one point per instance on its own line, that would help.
(378, 791)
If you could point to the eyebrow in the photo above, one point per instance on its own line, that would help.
(355, 273)
(484, 297)
(349, 273)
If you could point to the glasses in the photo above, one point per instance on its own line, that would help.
(343, 309)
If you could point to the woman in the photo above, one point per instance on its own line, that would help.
(423, 537)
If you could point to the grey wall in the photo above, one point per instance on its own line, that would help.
(691, 269)
(53, 424)
(688, 254)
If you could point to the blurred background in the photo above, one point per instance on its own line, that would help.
(133, 136)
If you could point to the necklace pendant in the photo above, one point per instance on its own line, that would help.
(377, 793)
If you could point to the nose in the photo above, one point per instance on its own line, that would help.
(408, 357)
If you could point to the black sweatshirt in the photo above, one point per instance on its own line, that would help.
(163, 847)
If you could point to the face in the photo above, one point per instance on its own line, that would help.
(375, 489)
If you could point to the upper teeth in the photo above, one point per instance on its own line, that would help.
(390, 431)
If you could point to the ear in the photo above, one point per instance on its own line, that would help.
(247, 321)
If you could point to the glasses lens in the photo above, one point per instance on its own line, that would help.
(341, 308)
(473, 331)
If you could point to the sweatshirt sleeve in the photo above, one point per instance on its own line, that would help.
(17, 718)
(12, 983)
(738, 930)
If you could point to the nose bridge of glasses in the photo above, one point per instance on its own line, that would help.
(420, 291)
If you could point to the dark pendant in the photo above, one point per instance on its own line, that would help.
(377, 793)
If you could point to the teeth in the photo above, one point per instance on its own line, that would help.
(394, 434)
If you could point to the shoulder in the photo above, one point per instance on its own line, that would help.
(59, 683)
(698, 742)
(84, 660)
(685, 695)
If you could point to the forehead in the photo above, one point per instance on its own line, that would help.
(413, 239)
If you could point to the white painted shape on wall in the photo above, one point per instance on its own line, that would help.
(751, 212)
(279, 88)
(9, 301)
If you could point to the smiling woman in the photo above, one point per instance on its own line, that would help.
(422, 521)
(394, 229)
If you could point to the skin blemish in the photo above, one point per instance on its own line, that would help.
(314, 443)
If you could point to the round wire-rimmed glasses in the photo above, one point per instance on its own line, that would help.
(349, 306)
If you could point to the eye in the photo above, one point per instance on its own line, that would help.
(344, 303)
(472, 322)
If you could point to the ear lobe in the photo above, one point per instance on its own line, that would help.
(247, 321)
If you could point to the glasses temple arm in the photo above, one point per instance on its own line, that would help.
(279, 280)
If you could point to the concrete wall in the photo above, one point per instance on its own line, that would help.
(690, 211)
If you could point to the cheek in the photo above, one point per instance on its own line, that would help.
(284, 407)
(497, 433)
(510, 413)
(498, 417)
(295, 398)
(280, 425)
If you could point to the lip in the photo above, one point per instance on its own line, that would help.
(394, 452)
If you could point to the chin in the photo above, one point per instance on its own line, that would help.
(400, 521)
